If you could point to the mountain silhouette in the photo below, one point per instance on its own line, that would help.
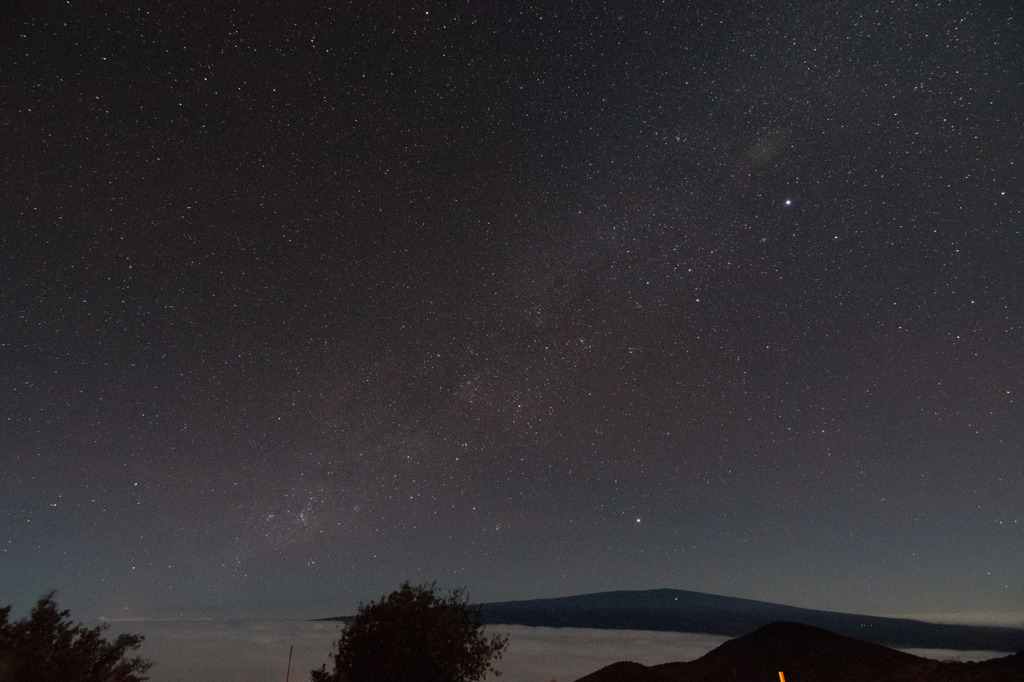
(685, 611)
(804, 653)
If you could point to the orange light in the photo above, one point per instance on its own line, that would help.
(782, 678)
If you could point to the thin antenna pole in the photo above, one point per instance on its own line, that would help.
(288, 675)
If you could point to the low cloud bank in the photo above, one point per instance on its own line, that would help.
(257, 650)
(1004, 619)
(233, 650)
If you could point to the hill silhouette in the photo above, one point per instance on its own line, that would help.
(804, 653)
(685, 611)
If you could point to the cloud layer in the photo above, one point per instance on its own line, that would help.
(257, 650)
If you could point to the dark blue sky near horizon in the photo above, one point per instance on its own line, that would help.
(300, 302)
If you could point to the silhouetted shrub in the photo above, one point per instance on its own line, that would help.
(414, 635)
(46, 647)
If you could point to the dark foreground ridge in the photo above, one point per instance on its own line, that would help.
(804, 653)
(685, 611)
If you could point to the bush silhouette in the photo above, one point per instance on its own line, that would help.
(414, 635)
(46, 647)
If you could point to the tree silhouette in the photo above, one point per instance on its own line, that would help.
(414, 635)
(46, 647)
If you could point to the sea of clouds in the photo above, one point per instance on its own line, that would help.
(256, 650)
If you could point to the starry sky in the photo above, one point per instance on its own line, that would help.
(302, 301)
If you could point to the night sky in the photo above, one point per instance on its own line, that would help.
(299, 302)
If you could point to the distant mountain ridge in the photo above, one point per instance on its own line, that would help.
(686, 611)
(803, 652)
